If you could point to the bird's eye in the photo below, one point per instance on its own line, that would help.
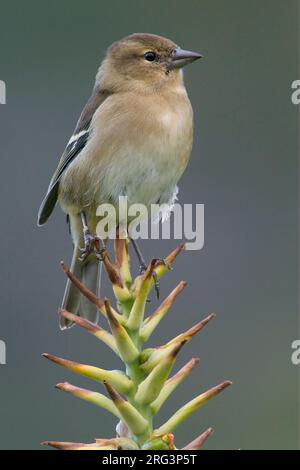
(150, 56)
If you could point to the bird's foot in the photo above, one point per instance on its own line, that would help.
(143, 265)
(143, 268)
(92, 244)
(164, 262)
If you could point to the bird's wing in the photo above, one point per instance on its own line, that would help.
(73, 149)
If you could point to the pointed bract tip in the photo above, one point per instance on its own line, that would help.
(197, 443)
(171, 257)
(195, 361)
(108, 308)
(83, 322)
(114, 395)
(55, 359)
(113, 321)
(209, 317)
(50, 443)
(60, 386)
(226, 383)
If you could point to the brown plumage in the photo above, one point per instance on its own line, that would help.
(134, 138)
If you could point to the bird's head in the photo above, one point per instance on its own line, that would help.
(145, 60)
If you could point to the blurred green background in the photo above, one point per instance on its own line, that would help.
(244, 168)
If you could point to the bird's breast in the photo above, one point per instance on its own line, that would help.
(138, 148)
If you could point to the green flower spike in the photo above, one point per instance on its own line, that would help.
(135, 395)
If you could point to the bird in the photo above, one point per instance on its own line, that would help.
(133, 138)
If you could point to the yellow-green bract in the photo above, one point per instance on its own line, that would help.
(136, 394)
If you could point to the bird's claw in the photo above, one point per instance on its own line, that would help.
(143, 268)
(156, 284)
(91, 245)
(164, 263)
(99, 253)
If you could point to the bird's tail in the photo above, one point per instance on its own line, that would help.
(89, 273)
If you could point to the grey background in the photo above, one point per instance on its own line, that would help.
(244, 168)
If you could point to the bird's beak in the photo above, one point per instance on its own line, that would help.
(180, 58)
